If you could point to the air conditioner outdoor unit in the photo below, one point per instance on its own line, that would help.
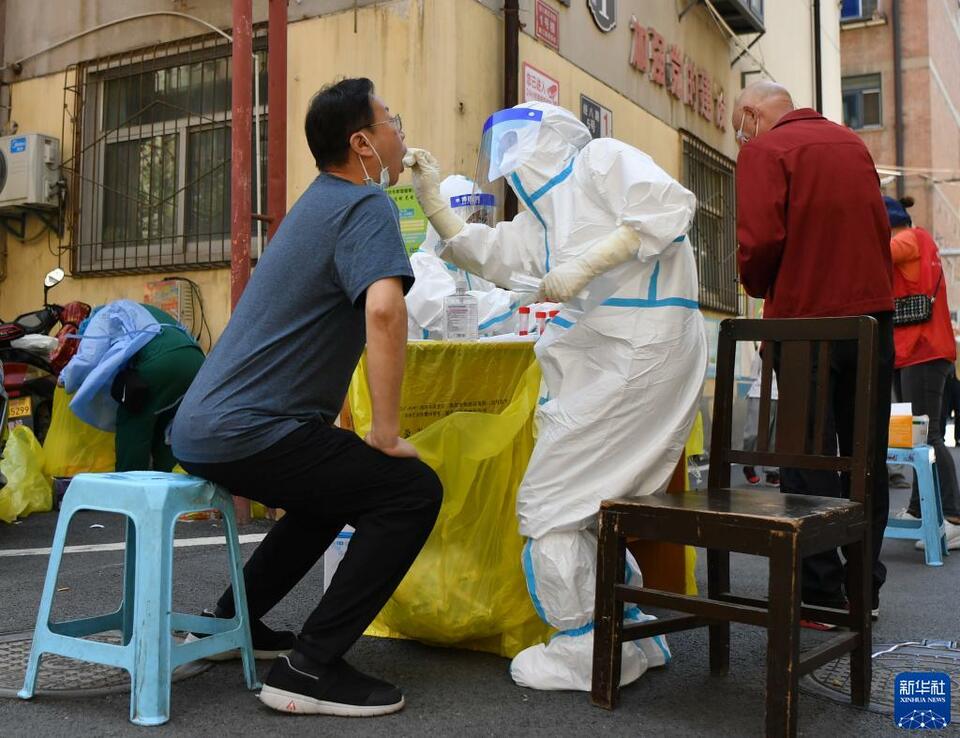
(29, 171)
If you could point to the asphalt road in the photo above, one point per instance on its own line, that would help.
(447, 691)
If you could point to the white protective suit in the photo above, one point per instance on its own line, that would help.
(623, 369)
(437, 279)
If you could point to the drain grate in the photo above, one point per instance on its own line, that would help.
(68, 677)
(833, 679)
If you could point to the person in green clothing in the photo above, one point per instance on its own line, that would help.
(149, 390)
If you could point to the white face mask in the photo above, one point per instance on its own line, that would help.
(384, 171)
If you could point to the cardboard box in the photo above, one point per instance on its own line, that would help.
(901, 425)
(906, 429)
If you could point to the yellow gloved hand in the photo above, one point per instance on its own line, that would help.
(565, 281)
(426, 185)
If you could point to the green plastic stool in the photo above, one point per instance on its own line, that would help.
(152, 502)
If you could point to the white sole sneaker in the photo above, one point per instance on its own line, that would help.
(953, 537)
(299, 704)
(235, 653)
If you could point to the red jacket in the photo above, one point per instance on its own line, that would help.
(916, 256)
(813, 230)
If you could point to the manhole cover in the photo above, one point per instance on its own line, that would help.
(833, 680)
(68, 677)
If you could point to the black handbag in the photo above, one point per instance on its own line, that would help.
(913, 309)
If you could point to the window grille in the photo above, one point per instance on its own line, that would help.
(149, 180)
(710, 176)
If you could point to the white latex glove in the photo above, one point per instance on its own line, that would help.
(426, 184)
(565, 281)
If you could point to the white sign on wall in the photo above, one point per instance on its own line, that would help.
(539, 85)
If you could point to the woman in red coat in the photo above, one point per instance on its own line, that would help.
(926, 351)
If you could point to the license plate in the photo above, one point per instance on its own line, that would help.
(20, 407)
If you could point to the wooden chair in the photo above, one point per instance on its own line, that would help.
(783, 527)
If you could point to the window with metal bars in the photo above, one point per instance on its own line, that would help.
(149, 182)
(710, 176)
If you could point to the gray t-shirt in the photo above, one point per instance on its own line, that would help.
(290, 348)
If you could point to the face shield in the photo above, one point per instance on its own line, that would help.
(476, 207)
(509, 140)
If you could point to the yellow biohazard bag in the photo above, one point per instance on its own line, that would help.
(27, 489)
(72, 446)
(466, 588)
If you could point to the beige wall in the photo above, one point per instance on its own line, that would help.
(444, 84)
(37, 105)
(418, 68)
(631, 124)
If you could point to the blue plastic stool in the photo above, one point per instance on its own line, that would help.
(929, 528)
(152, 502)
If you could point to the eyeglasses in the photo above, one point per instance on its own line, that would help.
(395, 121)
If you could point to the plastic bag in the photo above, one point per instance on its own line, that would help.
(72, 446)
(466, 588)
(27, 490)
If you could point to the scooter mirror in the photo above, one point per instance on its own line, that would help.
(53, 278)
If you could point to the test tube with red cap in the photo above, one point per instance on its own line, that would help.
(541, 316)
(553, 314)
(524, 320)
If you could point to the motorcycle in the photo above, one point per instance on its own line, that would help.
(31, 365)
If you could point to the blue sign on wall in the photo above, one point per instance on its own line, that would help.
(922, 700)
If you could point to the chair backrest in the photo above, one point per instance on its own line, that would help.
(805, 437)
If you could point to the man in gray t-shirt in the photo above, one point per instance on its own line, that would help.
(258, 419)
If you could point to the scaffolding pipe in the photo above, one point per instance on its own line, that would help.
(277, 118)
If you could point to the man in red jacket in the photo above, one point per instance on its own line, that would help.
(815, 242)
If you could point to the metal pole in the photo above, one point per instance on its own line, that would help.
(277, 120)
(817, 55)
(898, 95)
(241, 169)
(511, 74)
(241, 161)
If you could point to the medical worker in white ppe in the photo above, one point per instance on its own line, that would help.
(604, 232)
(437, 279)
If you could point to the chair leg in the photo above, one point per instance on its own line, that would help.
(608, 614)
(150, 675)
(931, 513)
(239, 595)
(46, 605)
(859, 591)
(129, 581)
(718, 582)
(783, 638)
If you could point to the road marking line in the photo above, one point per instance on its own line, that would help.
(96, 547)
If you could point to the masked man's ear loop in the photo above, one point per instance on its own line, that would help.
(741, 139)
(384, 171)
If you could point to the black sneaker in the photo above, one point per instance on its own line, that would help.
(267, 643)
(297, 685)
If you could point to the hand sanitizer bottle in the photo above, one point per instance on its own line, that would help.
(460, 315)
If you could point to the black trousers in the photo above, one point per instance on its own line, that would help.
(923, 385)
(325, 478)
(951, 404)
(824, 573)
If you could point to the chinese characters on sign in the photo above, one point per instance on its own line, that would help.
(667, 66)
(548, 25)
(596, 117)
(921, 700)
(540, 86)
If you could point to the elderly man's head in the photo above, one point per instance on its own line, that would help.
(758, 109)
